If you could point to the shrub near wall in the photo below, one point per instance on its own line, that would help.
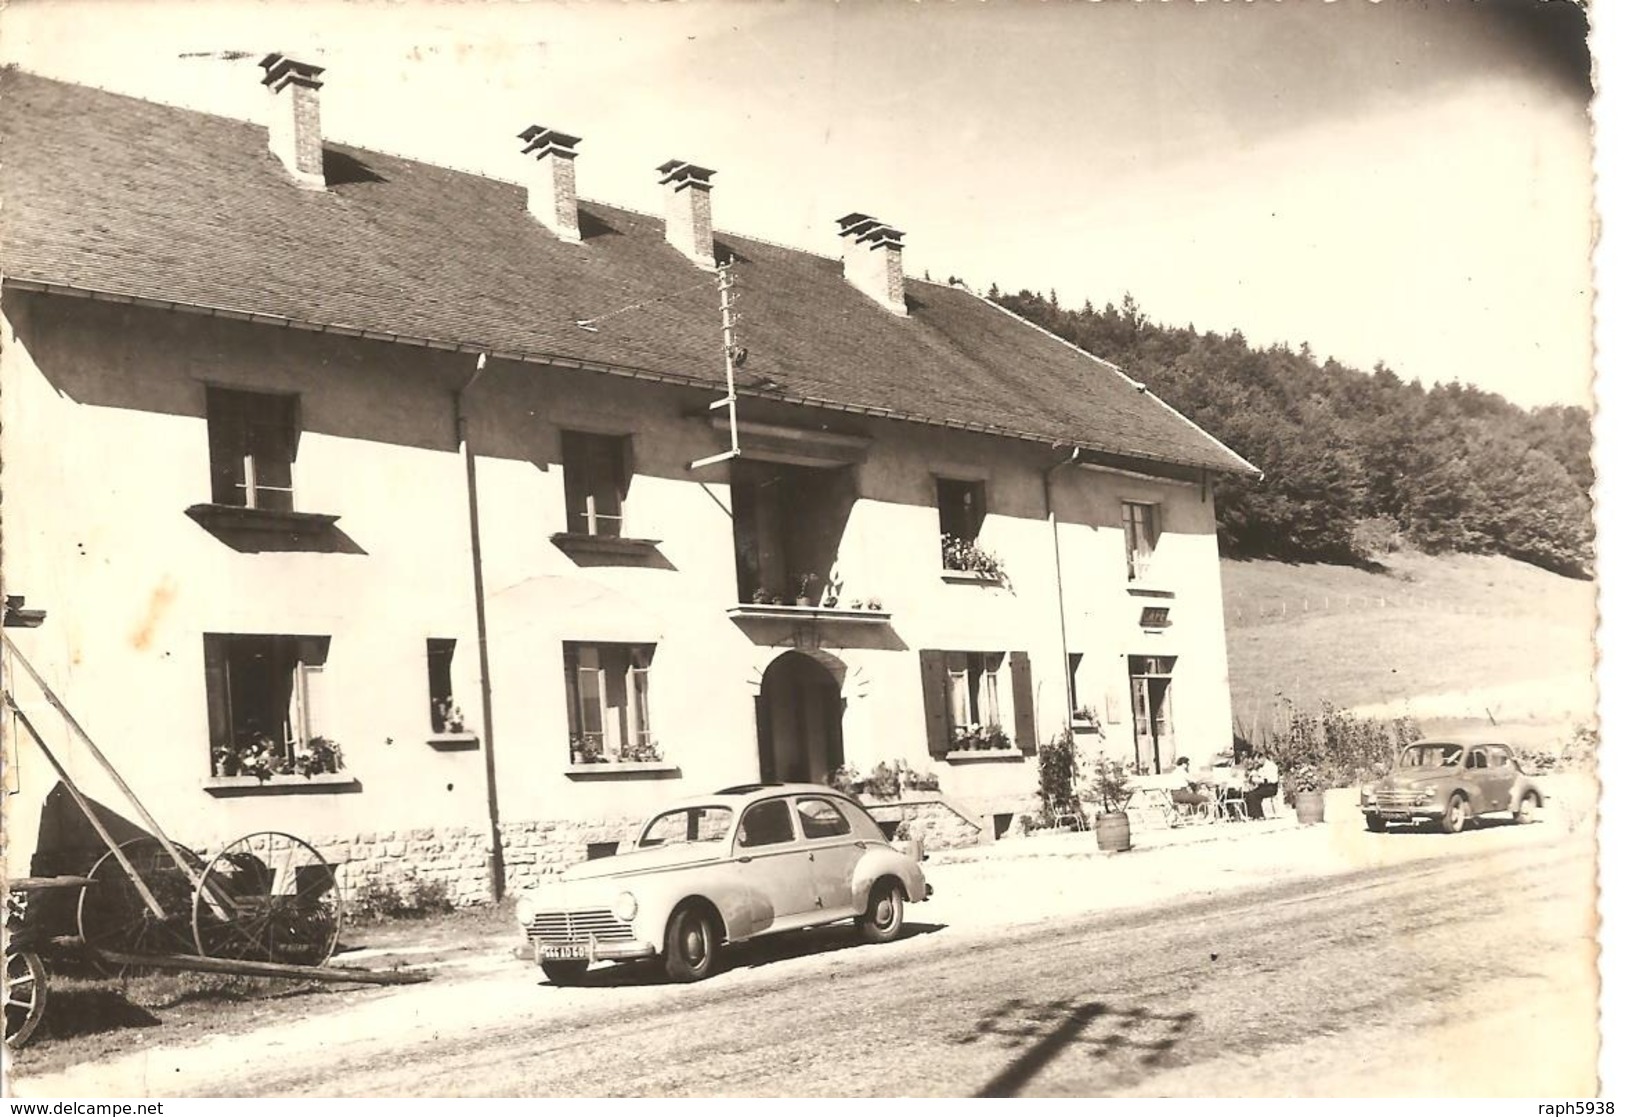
(1336, 747)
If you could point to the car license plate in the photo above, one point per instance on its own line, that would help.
(1396, 816)
(553, 951)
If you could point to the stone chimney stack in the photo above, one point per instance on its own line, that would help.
(688, 211)
(551, 187)
(296, 118)
(872, 259)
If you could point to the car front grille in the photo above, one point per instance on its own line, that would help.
(1395, 800)
(578, 926)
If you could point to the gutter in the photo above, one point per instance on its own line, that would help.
(1060, 593)
(465, 447)
(635, 373)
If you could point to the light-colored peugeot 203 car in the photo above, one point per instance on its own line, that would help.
(1448, 783)
(723, 868)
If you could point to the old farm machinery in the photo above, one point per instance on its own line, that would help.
(265, 905)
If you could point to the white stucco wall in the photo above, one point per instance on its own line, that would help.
(112, 403)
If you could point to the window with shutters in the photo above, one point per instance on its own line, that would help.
(267, 706)
(607, 688)
(975, 713)
(253, 439)
(595, 482)
(977, 701)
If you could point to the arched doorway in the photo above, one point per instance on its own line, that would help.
(798, 720)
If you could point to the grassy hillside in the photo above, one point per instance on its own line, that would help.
(1451, 639)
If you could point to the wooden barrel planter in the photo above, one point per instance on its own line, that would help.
(1311, 807)
(1111, 832)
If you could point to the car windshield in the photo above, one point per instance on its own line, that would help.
(687, 824)
(1431, 756)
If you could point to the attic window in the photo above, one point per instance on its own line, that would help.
(253, 439)
(961, 508)
(595, 481)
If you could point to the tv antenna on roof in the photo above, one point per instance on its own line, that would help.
(733, 357)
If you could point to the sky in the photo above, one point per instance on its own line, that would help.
(1406, 182)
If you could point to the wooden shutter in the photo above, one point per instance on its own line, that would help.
(1021, 696)
(217, 686)
(574, 460)
(314, 718)
(934, 686)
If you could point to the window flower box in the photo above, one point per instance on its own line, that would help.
(325, 782)
(625, 769)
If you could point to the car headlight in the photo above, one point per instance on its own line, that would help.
(625, 907)
(525, 909)
(1367, 791)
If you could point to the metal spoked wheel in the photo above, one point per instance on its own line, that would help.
(1457, 815)
(25, 996)
(268, 897)
(114, 916)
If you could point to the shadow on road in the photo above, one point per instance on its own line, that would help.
(749, 955)
(1431, 830)
(1046, 1029)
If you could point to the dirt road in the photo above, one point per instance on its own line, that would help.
(1468, 974)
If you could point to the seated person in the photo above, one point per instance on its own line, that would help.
(1192, 794)
(1264, 781)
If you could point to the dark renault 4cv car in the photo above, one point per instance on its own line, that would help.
(1448, 783)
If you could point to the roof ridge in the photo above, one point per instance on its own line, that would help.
(439, 164)
(1138, 385)
(491, 274)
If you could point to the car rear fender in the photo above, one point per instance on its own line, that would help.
(887, 862)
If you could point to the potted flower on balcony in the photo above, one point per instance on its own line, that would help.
(846, 779)
(1085, 720)
(586, 748)
(805, 585)
(968, 556)
(319, 757)
(447, 717)
(641, 752)
(252, 754)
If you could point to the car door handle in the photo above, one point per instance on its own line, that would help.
(746, 860)
(812, 857)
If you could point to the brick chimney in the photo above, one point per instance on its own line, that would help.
(872, 259)
(296, 118)
(551, 187)
(688, 211)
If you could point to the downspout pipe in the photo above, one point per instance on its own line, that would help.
(1060, 591)
(466, 448)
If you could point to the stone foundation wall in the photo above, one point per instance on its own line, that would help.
(459, 856)
(931, 819)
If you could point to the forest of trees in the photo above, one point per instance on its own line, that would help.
(1355, 463)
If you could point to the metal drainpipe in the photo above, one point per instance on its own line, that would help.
(1060, 593)
(466, 448)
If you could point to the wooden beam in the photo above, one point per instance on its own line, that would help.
(246, 968)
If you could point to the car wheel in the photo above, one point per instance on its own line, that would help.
(564, 971)
(883, 921)
(1526, 809)
(691, 945)
(1456, 815)
(1376, 823)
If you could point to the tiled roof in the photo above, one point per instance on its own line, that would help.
(111, 194)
